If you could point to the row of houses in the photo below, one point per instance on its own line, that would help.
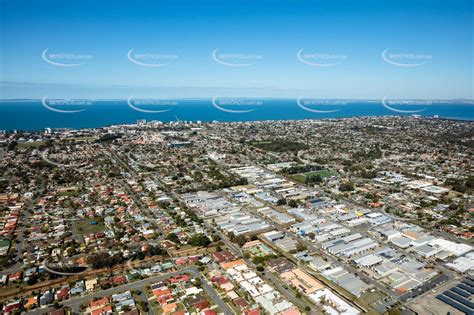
(260, 291)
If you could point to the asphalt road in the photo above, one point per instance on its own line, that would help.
(23, 221)
(75, 302)
(143, 209)
(367, 279)
(433, 283)
(267, 276)
(334, 259)
(222, 305)
(432, 231)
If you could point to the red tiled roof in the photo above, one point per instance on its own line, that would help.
(99, 303)
(255, 311)
(179, 278)
(102, 310)
(219, 279)
(119, 279)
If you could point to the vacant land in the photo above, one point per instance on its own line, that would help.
(35, 144)
(301, 177)
(89, 226)
(280, 145)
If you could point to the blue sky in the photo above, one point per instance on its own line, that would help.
(430, 43)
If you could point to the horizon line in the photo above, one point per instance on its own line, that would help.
(248, 97)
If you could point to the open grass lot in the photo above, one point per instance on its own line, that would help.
(279, 145)
(90, 138)
(85, 226)
(301, 177)
(371, 297)
(375, 300)
(24, 145)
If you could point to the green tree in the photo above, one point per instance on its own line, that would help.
(125, 308)
(173, 237)
(293, 203)
(239, 239)
(347, 186)
(200, 240)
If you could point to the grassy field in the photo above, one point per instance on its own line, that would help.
(24, 145)
(85, 226)
(371, 297)
(301, 177)
(89, 138)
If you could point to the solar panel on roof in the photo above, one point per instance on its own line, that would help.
(469, 282)
(466, 288)
(455, 304)
(460, 299)
(461, 292)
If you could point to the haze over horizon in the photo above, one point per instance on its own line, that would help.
(281, 49)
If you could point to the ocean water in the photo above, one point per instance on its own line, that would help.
(35, 115)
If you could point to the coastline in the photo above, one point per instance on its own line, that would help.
(35, 116)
